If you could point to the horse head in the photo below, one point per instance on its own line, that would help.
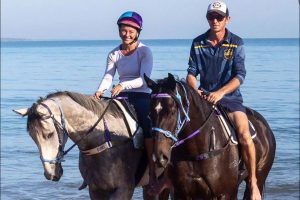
(169, 108)
(45, 125)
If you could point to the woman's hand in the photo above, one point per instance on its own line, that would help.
(116, 90)
(98, 94)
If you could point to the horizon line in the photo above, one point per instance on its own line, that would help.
(7, 39)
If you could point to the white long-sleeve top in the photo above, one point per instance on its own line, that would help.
(130, 68)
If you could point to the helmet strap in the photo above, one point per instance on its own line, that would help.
(135, 39)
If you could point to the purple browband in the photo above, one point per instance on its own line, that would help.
(161, 95)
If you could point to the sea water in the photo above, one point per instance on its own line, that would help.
(32, 69)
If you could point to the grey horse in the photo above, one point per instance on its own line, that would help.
(109, 164)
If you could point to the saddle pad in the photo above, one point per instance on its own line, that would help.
(229, 130)
(134, 128)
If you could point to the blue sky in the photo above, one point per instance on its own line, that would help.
(174, 19)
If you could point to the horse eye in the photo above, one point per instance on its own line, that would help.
(50, 135)
(173, 111)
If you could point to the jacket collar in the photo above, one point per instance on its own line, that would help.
(227, 37)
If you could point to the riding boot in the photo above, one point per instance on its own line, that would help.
(149, 145)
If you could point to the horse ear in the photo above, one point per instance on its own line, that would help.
(150, 83)
(170, 76)
(41, 110)
(23, 111)
(171, 81)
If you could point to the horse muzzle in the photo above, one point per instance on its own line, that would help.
(53, 172)
(161, 160)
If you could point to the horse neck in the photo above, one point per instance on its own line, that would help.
(199, 110)
(80, 120)
(202, 118)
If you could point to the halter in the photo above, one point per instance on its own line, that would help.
(180, 123)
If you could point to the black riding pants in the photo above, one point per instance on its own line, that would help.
(141, 104)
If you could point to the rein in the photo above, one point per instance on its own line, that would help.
(194, 133)
(91, 129)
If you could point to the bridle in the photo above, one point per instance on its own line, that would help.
(180, 123)
(185, 109)
(62, 138)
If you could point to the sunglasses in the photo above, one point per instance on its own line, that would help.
(219, 18)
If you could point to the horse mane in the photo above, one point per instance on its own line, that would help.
(86, 101)
(197, 99)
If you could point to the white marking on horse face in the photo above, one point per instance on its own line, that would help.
(158, 108)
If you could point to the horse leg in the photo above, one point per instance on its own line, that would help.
(164, 195)
(181, 196)
(98, 194)
(262, 176)
(234, 195)
(223, 197)
(247, 191)
(124, 193)
(146, 194)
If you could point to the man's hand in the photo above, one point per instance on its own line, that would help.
(214, 97)
(200, 92)
(116, 90)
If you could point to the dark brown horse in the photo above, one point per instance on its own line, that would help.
(203, 162)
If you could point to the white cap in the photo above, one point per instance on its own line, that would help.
(219, 7)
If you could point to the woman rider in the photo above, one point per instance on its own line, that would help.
(132, 59)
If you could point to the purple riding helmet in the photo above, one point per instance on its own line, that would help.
(132, 19)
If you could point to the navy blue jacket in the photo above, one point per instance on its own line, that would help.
(218, 65)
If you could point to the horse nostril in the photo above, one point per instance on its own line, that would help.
(47, 176)
(163, 161)
(165, 158)
(55, 178)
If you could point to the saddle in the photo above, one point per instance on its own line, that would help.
(133, 128)
(228, 127)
